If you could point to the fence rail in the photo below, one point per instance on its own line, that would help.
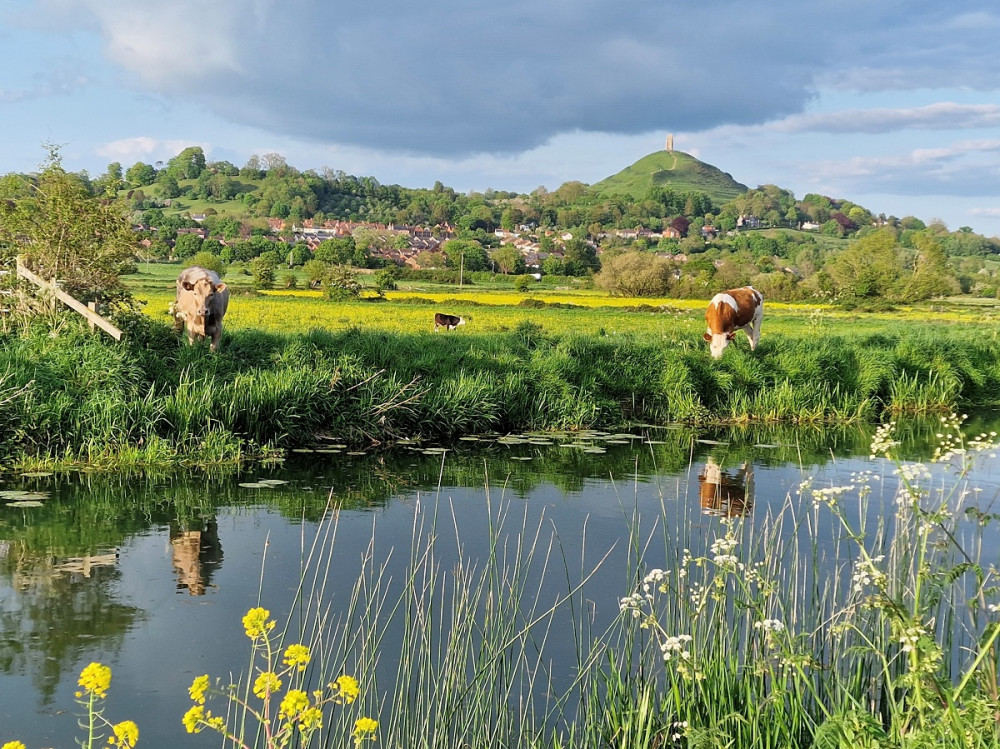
(77, 306)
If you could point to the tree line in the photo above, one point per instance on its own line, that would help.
(851, 254)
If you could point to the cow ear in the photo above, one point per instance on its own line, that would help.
(707, 336)
(188, 286)
(730, 336)
(220, 287)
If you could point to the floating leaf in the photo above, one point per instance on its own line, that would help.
(272, 482)
(29, 503)
(712, 442)
(36, 474)
(255, 485)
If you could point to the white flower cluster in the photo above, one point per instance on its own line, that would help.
(770, 625)
(721, 551)
(679, 729)
(657, 579)
(675, 646)
(950, 443)
(866, 573)
(910, 637)
(882, 441)
(829, 495)
(632, 604)
(913, 472)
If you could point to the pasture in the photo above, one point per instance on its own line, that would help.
(295, 368)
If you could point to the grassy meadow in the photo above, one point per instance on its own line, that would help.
(296, 368)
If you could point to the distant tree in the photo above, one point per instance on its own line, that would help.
(206, 260)
(932, 276)
(635, 274)
(187, 245)
(341, 282)
(579, 257)
(385, 280)
(465, 254)
(508, 259)
(263, 271)
(315, 271)
(523, 283)
(869, 267)
(140, 174)
(188, 164)
(169, 188)
(65, 232)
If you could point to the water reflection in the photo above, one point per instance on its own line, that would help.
(67, 597)
(196, 554)
(726, 493)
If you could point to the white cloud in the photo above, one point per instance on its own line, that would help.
(938, 116)
(146, 149)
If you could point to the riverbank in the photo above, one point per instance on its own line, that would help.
(68, 398)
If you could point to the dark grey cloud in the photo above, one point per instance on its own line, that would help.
(453, 77)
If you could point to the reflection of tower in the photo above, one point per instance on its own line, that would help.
(724, 493)
(196, 553)
(670, 142)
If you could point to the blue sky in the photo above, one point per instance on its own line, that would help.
(893, 105)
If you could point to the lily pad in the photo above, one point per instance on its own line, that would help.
(30, 503)
(272, 482)
(36, 474)
(255, 485)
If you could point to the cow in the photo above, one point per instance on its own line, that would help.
(201, 303)
(726, 493)
(736, 309)
(448, 322)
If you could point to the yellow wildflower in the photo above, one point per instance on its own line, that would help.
(297, 655)
(256, 622)
(266, 684)
(13, 745)
(348, 689)
(364, 728)
(198, 688)
(126, 734)
(311, 719)
(294, 703)
(95, 679)
(193, 717)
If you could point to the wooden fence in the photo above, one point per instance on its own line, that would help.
(88, 312)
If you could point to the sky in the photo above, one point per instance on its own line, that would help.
(892, 104)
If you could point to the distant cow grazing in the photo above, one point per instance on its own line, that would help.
(448, 322)
(736, 309)
(201, 303)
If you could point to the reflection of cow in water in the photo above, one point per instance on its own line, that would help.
(196, 554)
(726, 493)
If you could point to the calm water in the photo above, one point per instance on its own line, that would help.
(151, 575)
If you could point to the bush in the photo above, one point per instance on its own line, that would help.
(208, 261)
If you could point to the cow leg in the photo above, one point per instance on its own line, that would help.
(216, 338)
(753, 331)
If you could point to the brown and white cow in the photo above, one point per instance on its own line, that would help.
(736, 309)
(448, 322)
(201, 303)
(726, 493)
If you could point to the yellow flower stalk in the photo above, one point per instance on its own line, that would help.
(95, 679)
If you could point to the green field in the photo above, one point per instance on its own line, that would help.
(295, 368)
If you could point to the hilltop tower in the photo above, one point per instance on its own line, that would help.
(670, 142)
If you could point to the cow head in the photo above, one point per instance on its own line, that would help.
(717, 342)
(203, 292)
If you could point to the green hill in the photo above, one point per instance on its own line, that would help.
(677, 170)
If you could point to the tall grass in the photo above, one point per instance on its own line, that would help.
(66, 396)
(828, 623)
